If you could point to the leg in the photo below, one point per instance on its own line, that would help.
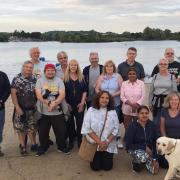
(59, 128)
(2, 120)
(44, 127)
(96, 163)
(70, 125)
(127, 121)
(79, 121)
(107, 161)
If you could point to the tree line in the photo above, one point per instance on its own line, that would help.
(148, 34)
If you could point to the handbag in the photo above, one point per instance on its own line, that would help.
(87, 150)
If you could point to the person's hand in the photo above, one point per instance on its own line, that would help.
(149, 151)
(135, 105)
(129, 103)
(103, 146)
(80, 107)
(19, 111)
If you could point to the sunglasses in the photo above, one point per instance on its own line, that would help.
(163, 64)
(170, 53)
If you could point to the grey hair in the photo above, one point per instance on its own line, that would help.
(62, 52)
(27, 62)
(93, 53)
(30, 51)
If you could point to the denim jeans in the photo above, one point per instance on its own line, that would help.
(2, 119)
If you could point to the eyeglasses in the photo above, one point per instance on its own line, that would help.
(169, 53)
(163, 64)
(63, 57)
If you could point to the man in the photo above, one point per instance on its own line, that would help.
(61, 67)
(4, 94)
(24, 100)
(38, 65)
(91, 74)
(173, 67)
(130, 62)
(38, 69)
(50, 93)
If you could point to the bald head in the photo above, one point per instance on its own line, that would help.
(169, 54)
(34, 53)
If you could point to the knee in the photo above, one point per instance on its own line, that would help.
(94, 167)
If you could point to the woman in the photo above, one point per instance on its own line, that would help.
(170, 120)
(76, 91)
(111, 81)
(132, 96)
(162, 84)
(61, 67)
(93, 125)
(140, 141)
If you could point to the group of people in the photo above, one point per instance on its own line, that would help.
(93, 103)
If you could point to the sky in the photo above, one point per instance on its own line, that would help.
(101, 15)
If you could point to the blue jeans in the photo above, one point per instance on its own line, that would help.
(2, 119)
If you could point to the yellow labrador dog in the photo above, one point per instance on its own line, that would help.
(171, 149)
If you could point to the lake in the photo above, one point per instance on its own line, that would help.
(13, 54)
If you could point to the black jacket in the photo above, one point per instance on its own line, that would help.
(4, 89)
(137, 137)
(86, 73)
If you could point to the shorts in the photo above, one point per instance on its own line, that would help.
(25, 123)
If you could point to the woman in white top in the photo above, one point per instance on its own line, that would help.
(92, 126)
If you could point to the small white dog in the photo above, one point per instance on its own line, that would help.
(171, 149)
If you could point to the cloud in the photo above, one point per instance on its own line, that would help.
(102, 15)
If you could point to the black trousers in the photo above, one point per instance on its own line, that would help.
(59, 127)
(102, 160)
(71, 127)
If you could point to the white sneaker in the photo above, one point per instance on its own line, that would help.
(120, 144)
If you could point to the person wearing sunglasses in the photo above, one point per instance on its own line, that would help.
(173, 67)
(162, 84)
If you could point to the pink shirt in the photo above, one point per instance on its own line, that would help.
(135, 93)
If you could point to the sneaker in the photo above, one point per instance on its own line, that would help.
(40, 152)
(120, 144)
(1, 153)
(23, 151)
(136, 167)
(64, 150)
(34, 147)
(50, 142)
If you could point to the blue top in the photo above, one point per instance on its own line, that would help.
(111, 85)
(172, 124)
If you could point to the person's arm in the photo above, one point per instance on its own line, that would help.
(162, 126)
(6, 90)
(81, 104)
(15, 101)
(174, 84)
(151, 92)
(141, 100)
(98, 84)
(142, 73)
(119, 81)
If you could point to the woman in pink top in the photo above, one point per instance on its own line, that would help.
(132, 96)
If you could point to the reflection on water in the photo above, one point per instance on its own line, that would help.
(13, 54)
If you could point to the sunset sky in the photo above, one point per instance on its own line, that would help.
(101, 15)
